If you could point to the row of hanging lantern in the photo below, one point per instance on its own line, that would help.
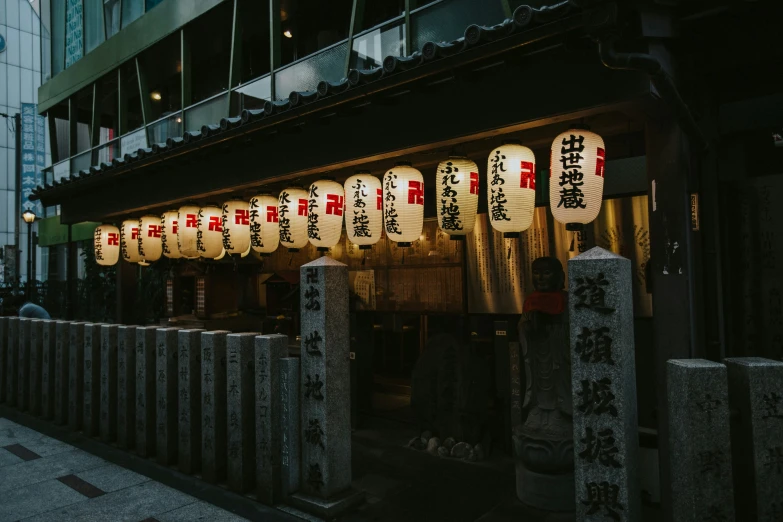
(367, 206)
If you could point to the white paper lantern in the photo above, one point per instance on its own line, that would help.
(106, 242)
(210, 231)
(236, 226)
(457, 202)
(325, 207)
(187, 231)
(576, 177)
(264, 229)
(129, 240)
(363, 209)
(168, 236)
(403, 204)
(511, 188)
(150, 238)
(292, 213)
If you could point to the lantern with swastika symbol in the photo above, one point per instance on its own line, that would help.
(292, 217)
(129, 240)
(264, 229)
(236, 226)
(106, 242)
(325, 207)
(403, 204)
(457, 196)
(168, 237)
(210, 232)
(511, 188)
(150, 243)
(363, 209)
(187, 230)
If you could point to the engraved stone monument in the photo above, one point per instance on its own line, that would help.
(62, 338)
(108, 403)
(126, 386)
(146, 371)
(289, 419)
(36, 352)
(23, 365)
(166, 396)
(3, 355)
(92, 379)
(48, 347)
(213, 405)
(76, 376)
(12, 356)
(189, 360)
(240, 412)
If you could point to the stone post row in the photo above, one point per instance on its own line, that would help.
(12, 355)
(62, 341)
(108, 401)
(189, 361)
(23, 365)
(166, 396)
(92, 379)
(213, 405)
(36, 365)
(48, 356)
(240, 463)
(126, 387)
(76, 376)
(3, 355)
(146, 340)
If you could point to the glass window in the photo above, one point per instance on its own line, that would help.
(130, 101)
(161, 69)
(160, 131)
(305, 75)
(74, 32)
(131, 10)
(252, 60)
(111, 16)
(93, 24)
(46, 41)
(378, 11)
(208, 113)
(447, 20)
(60, 131)
(152, 3)
(252, 95)
(371, 47)
(209, 39)
(82, 102)
(107, 104)
(58, 37)
(311, 25)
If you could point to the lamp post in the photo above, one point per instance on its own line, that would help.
(29, 217)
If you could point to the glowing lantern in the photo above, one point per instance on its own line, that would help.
(264, 229)
(168, 237)
(292, 213)
(325, 208)
(210, 232)
(511, 188)
(106, 241)
(150, 240)
(364, 209)
(403, 204)
(236, 226)
(129, 240)
(458, 189)
(187, 231)
(576, 177)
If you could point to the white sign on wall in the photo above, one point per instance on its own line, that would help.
(133, 142)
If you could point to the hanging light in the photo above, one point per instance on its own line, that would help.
(106, 242)
(403, 204)
(210, 232)
(129, 240)
(168, 237)
(576, 177)
(187, 230)
(236, 226)
(292, 212)
(264, 229)
(458, 189)
(511, 188)
(326, 203)
(364, 209)
(150, 243)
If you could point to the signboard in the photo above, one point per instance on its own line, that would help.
(74, 35)
(33, 156)
(695, 212)
(133, 142)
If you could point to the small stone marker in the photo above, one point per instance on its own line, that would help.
(699, 439)
(61, 345)
(48, 356)
(240, 467)
(166, 396)
(23, 365)
(515, 385)
(92, 379)
(126, 387)
(36, 352)
(3, 355)
(756, 393)
(12, 356)
(146, 341)
(76, 376)
(606, 447)
(108, 408)
(213, 405)
(290, 451)
(189, 360)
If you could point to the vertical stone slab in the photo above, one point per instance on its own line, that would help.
(76, 376)
(12, 356)
(699, 439)
(213, 405)
(23, 365)
(108, 406)
(166, 396)
(36, 352)
(269, 350)
(290, 451)
(3, 355)
(126, 387)
(189, 361)
(92, 379)
(756, 394)
(603, 374)
(240, 411)
(61, 345)
(146, 373)
(48, 357)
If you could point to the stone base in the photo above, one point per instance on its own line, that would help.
(545, 492)
(328, 509)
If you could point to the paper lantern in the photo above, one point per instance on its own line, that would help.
(129, 240)
(403, 204)
(187, 231)
(364, 209)
(576, 177)
(210, 231)
(457, 190)
(150, 238)
(325, 207)
(292, 213)
(236, 226)
(168, 236)
(264, 229)
(106, 242)
(511, 188)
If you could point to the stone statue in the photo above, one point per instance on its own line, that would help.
(544, 442)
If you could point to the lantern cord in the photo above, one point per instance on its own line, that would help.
(291, 260)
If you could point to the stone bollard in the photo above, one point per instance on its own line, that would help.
(189, 425)
(36, 352)
(126, 387)
(166, 396)
(213, 405)
(23, 365)
(48, 357)
(76, 376)
(240, 411)
(92, 379)
(62, 339)
(289, 419)
(3, 355)
(12, 356)
(108, 405)
(146, 341)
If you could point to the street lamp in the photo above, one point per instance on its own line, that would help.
(29, 217)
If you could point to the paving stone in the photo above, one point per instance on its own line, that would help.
(92, 379)
(199, 511)
(36, 365)
(62, 339)
(126, 387)
(166, 396)
(112, 478)
(33, 499)
(76, 376)
(240, 411)
(146, 342)
(66, 463)
(107, 423)
(213, 405)
(7, 458)
(48, 356)
(45, 446)
(189, 396)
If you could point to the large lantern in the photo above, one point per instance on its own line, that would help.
(106, 242)
(292, 213)
(264, 229)
(236, 226)
(129, 240)
(363, 209)
(325, 207)
(187, 230)
(511, 188)
(403, 204)
(457, 190)
(210, 232)
(576, 177)
(150, 244)
(168, 237)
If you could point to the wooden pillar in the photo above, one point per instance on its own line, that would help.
(126, 292)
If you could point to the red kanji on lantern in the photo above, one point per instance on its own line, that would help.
(154, 231)
(191, 221)
(302, 209)
(415, 193)
(242, 217)
(527, 175)
(600, 162)
(215, 223)
(334, 204)
(474, 186)
(134, 233)
(174, 227)
(114, 239)
(379, 199)
(271, 215)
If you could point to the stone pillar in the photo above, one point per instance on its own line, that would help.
(36, 352)
(126, 387)
(48, 357)
(92, 379)
(240, 412)
(166, 396)
(12, 356)
(146, 371)
(3, 355)
(76, 376)
(756, 394)
(213, 406)
(699, 440)
(290, 450)
(603, 375)
(269, 350)
(189, 360)
(23, 365)
(108, 407)
(61, 342)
